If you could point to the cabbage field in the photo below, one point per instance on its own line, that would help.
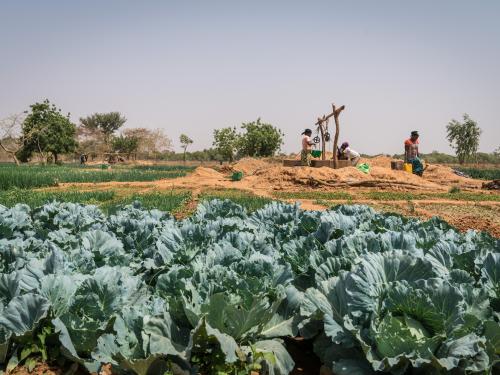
(217, 292)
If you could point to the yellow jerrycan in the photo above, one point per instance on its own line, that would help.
(408, 167)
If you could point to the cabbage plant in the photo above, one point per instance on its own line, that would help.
(220, 291)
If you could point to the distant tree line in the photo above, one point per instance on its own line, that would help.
(45, 133)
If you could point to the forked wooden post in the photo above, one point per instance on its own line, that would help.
(336, 113)
(322, 131)
(322, 120)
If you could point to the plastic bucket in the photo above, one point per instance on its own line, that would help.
(237, 176)
(408, 167)
(316, 153)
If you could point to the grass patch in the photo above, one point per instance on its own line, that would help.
(34, 199)
(109, 201)
(403, 196)
(169, 201)
(318, 195)
(32, 176)
(481, 173)
(248, 200)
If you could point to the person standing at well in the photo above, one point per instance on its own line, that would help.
(307, 143)
(412, 155)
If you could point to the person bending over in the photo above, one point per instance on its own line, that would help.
(349, 153)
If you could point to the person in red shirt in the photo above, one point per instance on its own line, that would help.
(412, 155)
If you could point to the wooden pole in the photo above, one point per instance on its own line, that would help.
(336, 113)
(322, 131)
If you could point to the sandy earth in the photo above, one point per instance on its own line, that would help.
(263, 178)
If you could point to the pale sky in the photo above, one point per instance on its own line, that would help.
(192, 66)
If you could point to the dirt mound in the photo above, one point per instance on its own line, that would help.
(282, 178)
(249, 165)
(435, 174)
(378, 161)
(202, 172)
(387, 174)
(264, 176)
(441, 174)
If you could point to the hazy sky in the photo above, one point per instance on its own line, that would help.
(192, 66)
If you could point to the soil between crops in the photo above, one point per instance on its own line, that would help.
(263, 178)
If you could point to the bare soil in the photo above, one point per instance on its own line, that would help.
(263, 178)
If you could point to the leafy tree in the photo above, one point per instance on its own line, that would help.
(185, 142)
(260, 139)
(463, 137)
(107, 123)
(226, 142)
(47, 131)
(125, 144)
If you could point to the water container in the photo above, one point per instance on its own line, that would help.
(316, 153)
(237, 176)
(408, 167)
(397, 165)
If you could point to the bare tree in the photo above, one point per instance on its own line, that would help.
(150, 141)
(11, 135)
(91, 141)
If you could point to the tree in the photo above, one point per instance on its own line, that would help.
(47, 131)
(260, 139)
(91, 141)
(125, 144)
(150, 141)
(185, 142)
(107, 123)
(11, 137)
(226, 141)
(463, 137)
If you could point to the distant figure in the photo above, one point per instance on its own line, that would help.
(307, 143)
(349, 154)
(83, 158)
(412, 155)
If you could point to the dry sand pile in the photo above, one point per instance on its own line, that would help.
(444, 175)
(261, 175)
(279, 177)
(202, 172)
(382, 161)
(249, 165)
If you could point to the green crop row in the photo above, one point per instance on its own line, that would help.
(386, 196)
(482, 174)
(459, 196)
(107, 200)
(248, 200)
(40, 176)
